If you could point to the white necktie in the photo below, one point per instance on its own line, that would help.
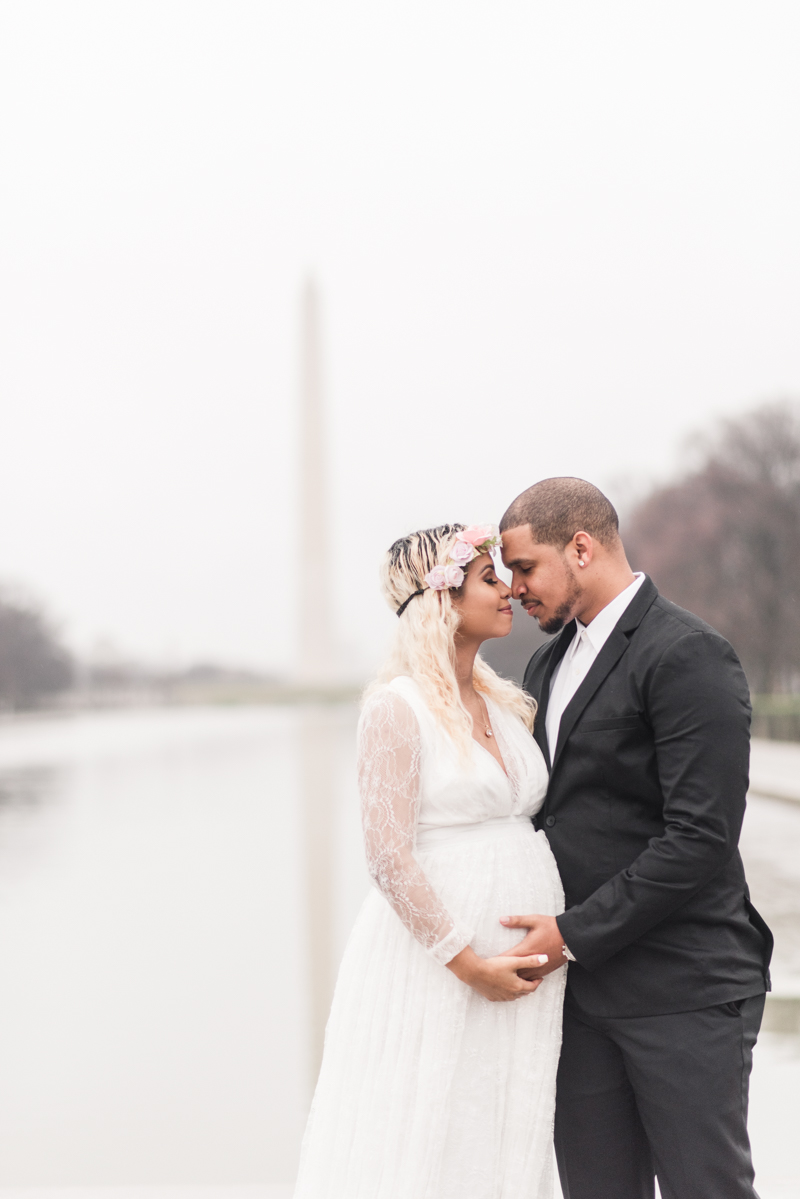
(573, 671)
(579, 665)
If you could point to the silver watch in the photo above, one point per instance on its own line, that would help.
(568, 954)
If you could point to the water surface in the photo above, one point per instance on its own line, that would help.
(176, 887)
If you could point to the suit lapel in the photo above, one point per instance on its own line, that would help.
(557, 651)
(539, 735)
(606, 660)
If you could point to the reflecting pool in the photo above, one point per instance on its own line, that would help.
(176, 887)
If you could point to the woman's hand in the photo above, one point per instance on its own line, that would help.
(496, 978)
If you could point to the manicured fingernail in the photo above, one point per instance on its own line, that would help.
(541, 958)
(504, 919)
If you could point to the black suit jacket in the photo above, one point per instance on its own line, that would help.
(643, 813)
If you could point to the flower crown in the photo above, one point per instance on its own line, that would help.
(469, 544)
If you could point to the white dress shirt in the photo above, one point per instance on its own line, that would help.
(583, 649)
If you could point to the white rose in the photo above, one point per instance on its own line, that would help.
(454, 576)
(436, 578)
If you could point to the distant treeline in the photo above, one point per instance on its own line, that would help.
(34, 665)
(724, 541)
(38, 671)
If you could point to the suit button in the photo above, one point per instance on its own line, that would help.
(550, 821)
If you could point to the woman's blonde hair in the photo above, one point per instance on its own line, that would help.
(424, 642)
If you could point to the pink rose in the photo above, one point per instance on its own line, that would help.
(462, 553)
(478, 534)
(443, 577)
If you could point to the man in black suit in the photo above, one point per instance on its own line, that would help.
(644, 719)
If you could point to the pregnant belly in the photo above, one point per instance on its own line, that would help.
(483, 876)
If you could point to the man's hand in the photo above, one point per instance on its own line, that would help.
(544, 936)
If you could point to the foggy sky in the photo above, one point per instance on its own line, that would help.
(549, 239)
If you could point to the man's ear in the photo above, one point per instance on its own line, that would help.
(583, 547)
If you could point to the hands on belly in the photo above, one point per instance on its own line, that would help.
(499, 979)
(543, 937)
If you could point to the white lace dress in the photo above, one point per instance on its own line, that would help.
(427, 1090)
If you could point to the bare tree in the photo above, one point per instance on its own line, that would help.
(33, 663)
(724, 542)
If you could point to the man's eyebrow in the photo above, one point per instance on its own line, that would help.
(520, 562)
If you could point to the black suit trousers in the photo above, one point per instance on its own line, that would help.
(656, 1095)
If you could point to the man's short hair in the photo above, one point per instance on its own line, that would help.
(557, 509)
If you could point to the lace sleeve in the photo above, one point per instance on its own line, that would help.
(389, 782)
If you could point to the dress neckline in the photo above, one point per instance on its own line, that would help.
(501, 766)
(489, 754)
(491, 707)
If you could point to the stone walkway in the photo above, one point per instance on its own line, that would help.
(771, 851)
(278, 1191)
(775, 769)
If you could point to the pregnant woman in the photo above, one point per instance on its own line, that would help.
(438, 1077)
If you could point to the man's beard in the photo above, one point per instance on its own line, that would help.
(563, 612)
